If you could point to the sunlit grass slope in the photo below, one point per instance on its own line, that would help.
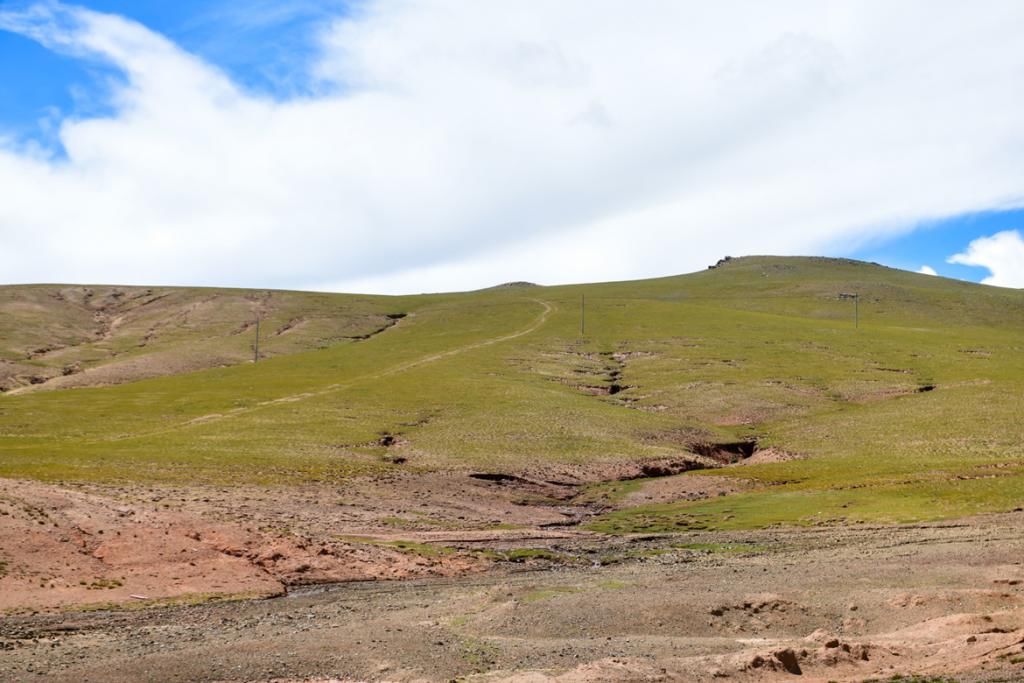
(914, 414)
(60, 336)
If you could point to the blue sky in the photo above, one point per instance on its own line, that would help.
(395, 147)
(265, 45)
(934, 242)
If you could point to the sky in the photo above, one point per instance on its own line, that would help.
(431, 145)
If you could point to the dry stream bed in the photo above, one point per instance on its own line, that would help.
(487, 576)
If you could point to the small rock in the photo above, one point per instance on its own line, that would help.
(789, 661)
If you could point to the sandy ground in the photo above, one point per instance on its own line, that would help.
(823, 603)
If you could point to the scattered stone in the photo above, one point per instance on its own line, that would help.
(789, 661)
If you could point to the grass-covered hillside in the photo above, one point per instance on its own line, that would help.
(913, 414)
(73, 336)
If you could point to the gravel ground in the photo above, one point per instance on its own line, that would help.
(833, 604)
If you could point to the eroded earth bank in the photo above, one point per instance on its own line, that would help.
(485, 577)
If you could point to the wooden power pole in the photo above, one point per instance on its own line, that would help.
(256, 346)
(856, 306)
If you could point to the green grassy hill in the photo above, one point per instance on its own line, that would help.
(914, 414)
(72, 336)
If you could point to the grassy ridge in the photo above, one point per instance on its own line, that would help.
(59, 336)
(500, 379)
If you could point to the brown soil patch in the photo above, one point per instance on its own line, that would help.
(500, 585)
(767, 455)
(854, 613)
(64, 547)
(671, 489)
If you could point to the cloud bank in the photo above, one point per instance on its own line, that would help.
(1002, 254)
(455, 145)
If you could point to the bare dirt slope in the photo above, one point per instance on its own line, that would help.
(532, 599)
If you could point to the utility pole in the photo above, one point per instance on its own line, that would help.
(856, 306)
(256, 346)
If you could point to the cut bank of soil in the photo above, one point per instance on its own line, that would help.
(869, 603)
(499, 585)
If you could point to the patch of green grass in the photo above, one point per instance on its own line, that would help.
(478, 654)
(185, 600)
(458, 621)
(498, 380)
(922, 497)
(527, 554)
(611, 491)
(412, 547)
(722, 548)
(615, 558)
(519, 555)
(539, 594)
(421, 549)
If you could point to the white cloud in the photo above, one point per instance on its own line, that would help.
(927, 270)
(1002, 254)
(456, 144)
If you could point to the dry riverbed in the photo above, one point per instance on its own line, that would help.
(488, 579)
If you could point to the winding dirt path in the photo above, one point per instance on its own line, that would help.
(534, 326)
(334, 388)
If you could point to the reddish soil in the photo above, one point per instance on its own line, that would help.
(509, 589)
(71, 547)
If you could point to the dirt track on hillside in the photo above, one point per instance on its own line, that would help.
(837, 604)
